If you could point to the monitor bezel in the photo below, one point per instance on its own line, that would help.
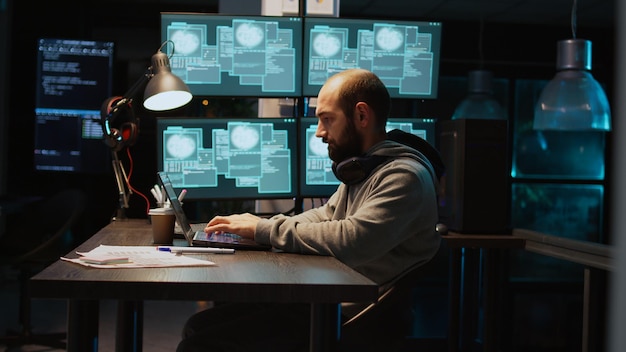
(226, 189)
(325, 191)
(434, 27)
(238, 90)
(75, 111)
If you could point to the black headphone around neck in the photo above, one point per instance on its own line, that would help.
(356, 169)
(127, 130)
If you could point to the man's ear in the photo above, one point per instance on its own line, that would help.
(362, 113)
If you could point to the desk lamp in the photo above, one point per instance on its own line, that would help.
(573, 100)
(163, 91)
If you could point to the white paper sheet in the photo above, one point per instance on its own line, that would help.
(139, 257)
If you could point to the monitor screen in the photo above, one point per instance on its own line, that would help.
(404, 54)
(422, 127)
(226, 158)
(236, 56)
(316, 176)
(74, 77)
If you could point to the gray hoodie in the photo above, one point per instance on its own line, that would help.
(379, 227)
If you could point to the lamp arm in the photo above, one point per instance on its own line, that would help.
(111, 106)
(137, 85)
(127, 98)
(123, 187)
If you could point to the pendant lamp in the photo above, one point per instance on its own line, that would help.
(573, 100)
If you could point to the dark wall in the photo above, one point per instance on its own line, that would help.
(511, 51)
(135, 30)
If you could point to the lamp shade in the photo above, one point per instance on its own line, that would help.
(164, 91)
(480, 102)
(573, 100)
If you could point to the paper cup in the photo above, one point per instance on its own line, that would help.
(162, 220)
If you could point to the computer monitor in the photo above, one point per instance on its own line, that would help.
(236, 56)
(229, 158)
(74, 77)
(316, 176)
(404, 54)
(422, 127)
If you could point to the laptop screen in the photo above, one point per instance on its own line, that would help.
(225, 240)
(178, 208)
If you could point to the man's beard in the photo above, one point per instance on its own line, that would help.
(350, 147)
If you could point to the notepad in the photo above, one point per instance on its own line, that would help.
(104, 259)
(105, 256)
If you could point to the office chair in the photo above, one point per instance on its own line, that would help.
(40, 234)
(387, 324)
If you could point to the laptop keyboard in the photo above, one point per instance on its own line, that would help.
(220, 238)
(198, 228)
(224, 238)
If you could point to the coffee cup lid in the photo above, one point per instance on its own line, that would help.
(161, 211)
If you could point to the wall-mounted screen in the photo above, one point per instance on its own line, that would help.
(405, 55)
(74, 77)
(236, 56)
(218, 158)
(422, 127)
(316, 176)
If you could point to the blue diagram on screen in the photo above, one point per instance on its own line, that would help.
(399, 54)
(256, 52)
(318, 166)
(408, 127)
(254, 155)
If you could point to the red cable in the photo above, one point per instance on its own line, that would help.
(130, 173)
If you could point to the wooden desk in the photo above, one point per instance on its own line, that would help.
(246, 276)
(476, 280)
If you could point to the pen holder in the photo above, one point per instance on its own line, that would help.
(162, 220)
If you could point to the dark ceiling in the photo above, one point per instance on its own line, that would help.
(592, 13)
(595, 13)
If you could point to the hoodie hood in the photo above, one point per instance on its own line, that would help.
(391, 149)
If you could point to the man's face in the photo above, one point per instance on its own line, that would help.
(334, 127)
(348, 143)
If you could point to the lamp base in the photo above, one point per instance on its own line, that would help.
(120, 214)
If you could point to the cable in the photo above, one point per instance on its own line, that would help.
(130, 174)
(574, 7)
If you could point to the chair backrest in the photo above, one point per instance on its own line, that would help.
(392, 315)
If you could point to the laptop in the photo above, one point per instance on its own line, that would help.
(195, 234)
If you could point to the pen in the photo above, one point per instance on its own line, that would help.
(182, 195)
(156, 196)
(159, 194)
(195, 250)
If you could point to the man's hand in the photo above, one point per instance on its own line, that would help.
(243, 225)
